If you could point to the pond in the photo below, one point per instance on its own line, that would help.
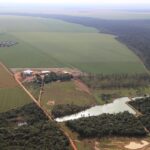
(118, 105)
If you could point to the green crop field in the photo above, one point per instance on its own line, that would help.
(11, 95)
(54, 43)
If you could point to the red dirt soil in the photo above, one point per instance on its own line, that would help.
(81, 86)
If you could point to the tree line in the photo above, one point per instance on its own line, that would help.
(101, 81)
(143, 105)
(53, 77)
(62, 110)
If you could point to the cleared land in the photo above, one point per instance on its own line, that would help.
(55, 43)
(65, 93)
(11, 95)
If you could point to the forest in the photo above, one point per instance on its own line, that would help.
(121, 124)
(62, 110)
(143, 105)
(37, 133)
(115, 81)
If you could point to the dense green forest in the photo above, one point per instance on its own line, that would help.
(66, 109)
(143, 105)
(29, 113)
(116, 81)
(35, 133)
(145, 120)
(121, 124)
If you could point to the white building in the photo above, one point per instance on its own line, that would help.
(45, 72)
(22, 124)
(28, 72)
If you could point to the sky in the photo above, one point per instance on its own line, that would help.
(80, 1)
(74, 4)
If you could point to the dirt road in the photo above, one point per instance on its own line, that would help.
(81, 86)
(45, 112)
(38, 104)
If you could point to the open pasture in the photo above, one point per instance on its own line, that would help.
(54, 43)
(65, 93)
(11, 95)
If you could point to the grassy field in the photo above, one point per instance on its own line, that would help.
(35, 24)
(55, 43)
(66, 93)
(122, 92)
(11, 95)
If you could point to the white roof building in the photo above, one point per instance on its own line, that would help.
(45, 72)
(28, 72)
(22, 124)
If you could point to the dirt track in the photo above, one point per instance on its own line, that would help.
(45, 112)
(81, 86)
(38, 104)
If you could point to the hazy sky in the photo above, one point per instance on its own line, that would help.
(81, 1)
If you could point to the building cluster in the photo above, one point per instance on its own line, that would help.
(29, 72)
(44, 75)
(7, 43)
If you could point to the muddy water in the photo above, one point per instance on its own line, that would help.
(118, 105)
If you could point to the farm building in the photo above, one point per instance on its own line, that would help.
(22, 123)
(66, 72)
(45, 72)
(27, 72)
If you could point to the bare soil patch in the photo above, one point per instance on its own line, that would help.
(134, 145)
(50, 103)
(121, 143)
(97, 146)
